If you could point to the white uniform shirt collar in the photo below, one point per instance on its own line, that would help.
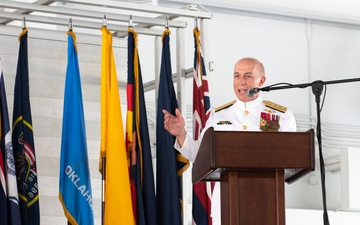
(249, 105)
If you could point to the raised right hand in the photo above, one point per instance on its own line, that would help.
(175, 125)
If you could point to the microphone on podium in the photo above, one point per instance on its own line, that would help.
(251, 92)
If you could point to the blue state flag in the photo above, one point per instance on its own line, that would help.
(23, 140)
(75, 191)
(170, 163)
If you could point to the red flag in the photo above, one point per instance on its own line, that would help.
(201, 113)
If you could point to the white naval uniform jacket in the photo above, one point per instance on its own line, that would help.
(238, 116)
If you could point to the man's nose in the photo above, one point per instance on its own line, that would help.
(242, 81)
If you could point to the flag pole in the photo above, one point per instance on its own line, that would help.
(103, 189)
(23, 23)
(103, 174)
(70, 27)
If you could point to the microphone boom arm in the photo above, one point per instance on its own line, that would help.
(304, 85)
(317, 89)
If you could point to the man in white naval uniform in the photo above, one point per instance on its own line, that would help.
(243, 114)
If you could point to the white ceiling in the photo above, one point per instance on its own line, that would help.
(345, 8)
(342, 8)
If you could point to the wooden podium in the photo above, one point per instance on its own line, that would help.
(253, 168)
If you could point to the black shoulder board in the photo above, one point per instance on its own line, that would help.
(225, 106)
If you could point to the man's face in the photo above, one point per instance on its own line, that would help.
(247, 75)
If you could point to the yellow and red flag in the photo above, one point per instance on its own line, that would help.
(138, 141)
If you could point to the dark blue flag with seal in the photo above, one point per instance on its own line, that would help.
(23, 140)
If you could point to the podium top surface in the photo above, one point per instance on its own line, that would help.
(221, 151)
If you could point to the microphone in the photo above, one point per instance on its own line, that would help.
(251, 92)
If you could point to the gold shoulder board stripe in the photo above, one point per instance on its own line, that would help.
(275, 106)
(225, 106)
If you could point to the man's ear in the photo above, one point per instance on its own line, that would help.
(262, 81)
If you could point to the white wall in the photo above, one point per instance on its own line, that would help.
(315, 217)
(296, 53)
